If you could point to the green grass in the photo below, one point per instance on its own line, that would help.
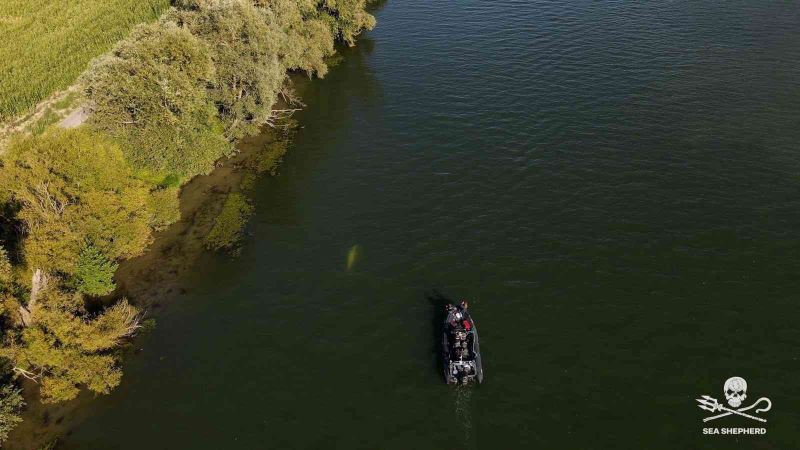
(48, 118)
(46, 44)
(65, 102)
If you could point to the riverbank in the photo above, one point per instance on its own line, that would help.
(147, 279)
(108, 214)
(618, 219)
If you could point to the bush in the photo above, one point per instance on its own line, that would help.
(7, 301)
(11, 404)
(65, 348)
(244, 47)
(150, 93)
(350, 18)
(5, 271)
(95, 272)
(72, 187)
(308, 35)
(167, 103)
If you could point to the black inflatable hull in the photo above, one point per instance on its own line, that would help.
(449, 359)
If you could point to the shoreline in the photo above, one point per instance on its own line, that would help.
(146, 279)
(145, 189)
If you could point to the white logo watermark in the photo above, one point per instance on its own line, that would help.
(735, 390)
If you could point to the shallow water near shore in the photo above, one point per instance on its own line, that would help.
(615, 186)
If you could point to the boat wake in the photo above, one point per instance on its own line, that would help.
(463, 409)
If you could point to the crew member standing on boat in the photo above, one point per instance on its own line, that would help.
(463, 305)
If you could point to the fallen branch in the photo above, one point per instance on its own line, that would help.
(27, 374)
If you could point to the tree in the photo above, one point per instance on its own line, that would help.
(150, 93)
(11, 404)
(244, 47)
(310, 28)
(350, 18)
(73, 187)
(308, 35)
(65, 348)
(95, 272)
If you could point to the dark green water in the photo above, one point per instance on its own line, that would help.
(615, 186)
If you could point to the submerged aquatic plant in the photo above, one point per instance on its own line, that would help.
(229, 225)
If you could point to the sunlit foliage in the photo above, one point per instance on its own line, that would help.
(167, 103)
(151, 94)
(66, 348)
(95, 272)
(11, 404)
(350, 18)
(74, 188)
(244, 45)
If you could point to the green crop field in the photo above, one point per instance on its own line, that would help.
(46, 44)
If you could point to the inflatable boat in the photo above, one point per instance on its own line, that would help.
(460, 347)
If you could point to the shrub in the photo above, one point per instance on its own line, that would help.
(95, 272)
(11, 404)
(244, 47)
(167, 102)
(73, 187)
(7, 300)
(308, 35)
(64, 348)
(5, 271)
(350, 18)
(150, 93)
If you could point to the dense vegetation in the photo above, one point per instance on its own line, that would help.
(47, 43)
(11, 404)
(168, 102)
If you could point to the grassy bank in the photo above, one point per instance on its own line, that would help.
(48, 43)
(168, 103)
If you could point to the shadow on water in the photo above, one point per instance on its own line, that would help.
(438, 301)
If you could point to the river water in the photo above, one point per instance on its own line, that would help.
(614, 185)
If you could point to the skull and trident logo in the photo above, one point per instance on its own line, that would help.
(735, 393)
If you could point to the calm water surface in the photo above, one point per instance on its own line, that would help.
(615, 185)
